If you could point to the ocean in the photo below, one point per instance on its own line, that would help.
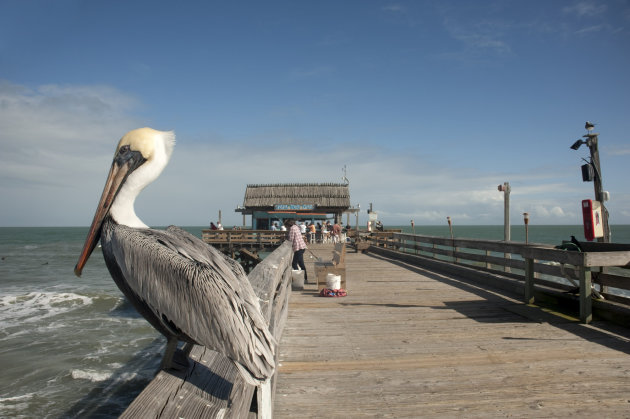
(72, 347)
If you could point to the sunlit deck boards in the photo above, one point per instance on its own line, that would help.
(410, 343)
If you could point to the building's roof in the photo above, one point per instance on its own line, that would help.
(323, 195)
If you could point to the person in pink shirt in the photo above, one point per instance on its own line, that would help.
(299, 245)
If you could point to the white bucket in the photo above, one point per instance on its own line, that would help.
(333, 282)
(297, 279)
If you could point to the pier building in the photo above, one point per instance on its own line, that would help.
(273, 203)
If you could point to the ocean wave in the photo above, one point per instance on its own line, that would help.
(21, 398)
(15, 403)
(18, 309)
(95, 376)
(91, 375)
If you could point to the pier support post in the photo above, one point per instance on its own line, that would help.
(529, 281)
(586, 303)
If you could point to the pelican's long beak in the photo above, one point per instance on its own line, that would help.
(117, 174)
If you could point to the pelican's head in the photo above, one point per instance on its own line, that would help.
(140, 157)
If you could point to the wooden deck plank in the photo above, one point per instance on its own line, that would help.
(409, 343)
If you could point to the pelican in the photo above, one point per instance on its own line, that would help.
(185, 288)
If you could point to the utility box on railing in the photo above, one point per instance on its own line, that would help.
(592, 215)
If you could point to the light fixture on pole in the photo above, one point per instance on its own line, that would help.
(454, 249)
(578, 144)
(506, 189)
(526, 220)
(592, 172)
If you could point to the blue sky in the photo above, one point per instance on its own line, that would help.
(429, 105)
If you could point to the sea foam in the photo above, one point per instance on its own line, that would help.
(100, 376)
(8, 405)
(91, 375)
(17, 309)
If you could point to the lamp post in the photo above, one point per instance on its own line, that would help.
(450, 226)
(413, 230)
(455, 249)
(505, 188)
(526, 220)
(600, 194)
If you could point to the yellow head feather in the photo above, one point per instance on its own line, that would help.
(141, 139)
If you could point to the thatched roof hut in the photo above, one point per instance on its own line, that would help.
(321, 195)
(294, 200)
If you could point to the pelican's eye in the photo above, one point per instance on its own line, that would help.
(124, 149)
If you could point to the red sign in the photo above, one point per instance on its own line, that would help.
(592, 216)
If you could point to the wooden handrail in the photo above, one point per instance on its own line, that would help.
(532, 263)
(192, 393)
(223, 237)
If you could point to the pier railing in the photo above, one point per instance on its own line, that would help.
(529, 264)
(211, 386)
(254, 238)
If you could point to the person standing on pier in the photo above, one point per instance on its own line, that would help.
(311, 233)
(298, 244)
(336, 232)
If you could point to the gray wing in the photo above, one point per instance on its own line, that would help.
(196, 289)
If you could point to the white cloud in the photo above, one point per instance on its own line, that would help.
(550, 213)
(58, 143)
(53, 140)
(479, 35)
(585, 9)
(590, 29)
(618, 150)
(557, 212)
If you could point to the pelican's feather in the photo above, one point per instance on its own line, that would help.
(192, 291)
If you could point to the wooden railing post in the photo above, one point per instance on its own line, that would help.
(264, 400)
(586, 304)
(529, 281)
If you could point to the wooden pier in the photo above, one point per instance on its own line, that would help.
(244, 246)
(431, 327)
(409, 342)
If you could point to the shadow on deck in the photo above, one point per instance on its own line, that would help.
(409, 342)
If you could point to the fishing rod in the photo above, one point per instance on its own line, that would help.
(314, 255)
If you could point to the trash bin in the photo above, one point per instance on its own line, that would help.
(333, 282)
(297, 279)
